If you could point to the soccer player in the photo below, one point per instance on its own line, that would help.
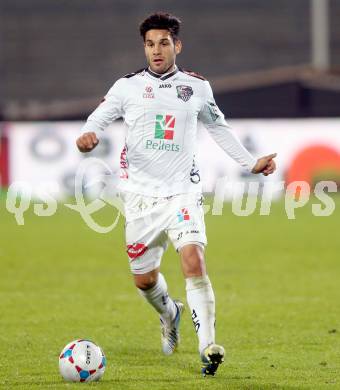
(160, 182)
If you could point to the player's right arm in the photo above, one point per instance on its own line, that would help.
(87, 141)
(110, 109)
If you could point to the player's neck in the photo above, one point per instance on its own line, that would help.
(169, 70)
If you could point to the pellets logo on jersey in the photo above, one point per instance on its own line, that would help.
(183, 215)
(136, 250)
(184, 92)
(164, 127)
(164, 131)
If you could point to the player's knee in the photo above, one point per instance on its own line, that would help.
(194, 268)
(145, 285)
(145, 281)
(193, 263)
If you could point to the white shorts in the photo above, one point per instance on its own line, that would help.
(151, 222)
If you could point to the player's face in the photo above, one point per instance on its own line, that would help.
(161, 50)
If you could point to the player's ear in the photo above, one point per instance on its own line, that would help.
(178, 46)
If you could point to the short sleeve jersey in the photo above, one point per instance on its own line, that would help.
(161, 114)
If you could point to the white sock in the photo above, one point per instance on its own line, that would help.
(201, 300)
(159, 298)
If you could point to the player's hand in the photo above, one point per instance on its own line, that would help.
(87, 142)
(265, 165)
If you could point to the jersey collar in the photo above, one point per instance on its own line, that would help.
(163, 76)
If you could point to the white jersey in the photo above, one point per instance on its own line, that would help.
(161, 114)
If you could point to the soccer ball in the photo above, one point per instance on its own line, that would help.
(82, 361)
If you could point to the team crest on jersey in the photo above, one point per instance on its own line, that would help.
(184, 92)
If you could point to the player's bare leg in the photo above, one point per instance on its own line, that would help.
(201, 300)
(152, 286)
(147, 280)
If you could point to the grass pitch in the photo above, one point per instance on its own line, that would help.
(276, 283)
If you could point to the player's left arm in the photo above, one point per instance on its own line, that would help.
(213, 119)
(265, 165)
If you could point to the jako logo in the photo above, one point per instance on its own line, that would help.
(165, 86)
(183, 215)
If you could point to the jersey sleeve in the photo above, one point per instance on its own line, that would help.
(213, 119)
(110, 109)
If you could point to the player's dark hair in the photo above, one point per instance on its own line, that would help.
(161, 21)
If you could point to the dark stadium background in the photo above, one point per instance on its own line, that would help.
(59, 56)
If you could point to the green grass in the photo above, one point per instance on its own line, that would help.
(276, 283)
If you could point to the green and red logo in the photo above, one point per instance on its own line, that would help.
(164, 132)
(164, 127)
